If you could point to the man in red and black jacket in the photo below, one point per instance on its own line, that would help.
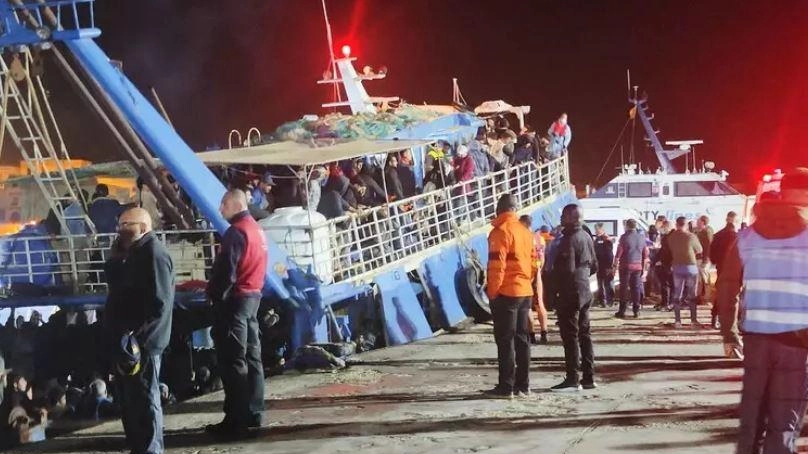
(234, 289)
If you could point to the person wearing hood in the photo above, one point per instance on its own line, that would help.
(512, 266)
(374, 194)
(574, 262)
(768, 266)
(560, 135)
(140, 301)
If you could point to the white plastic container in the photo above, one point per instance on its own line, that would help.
(291, 229)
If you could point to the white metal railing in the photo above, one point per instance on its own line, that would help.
(77, 262)
(358, 244)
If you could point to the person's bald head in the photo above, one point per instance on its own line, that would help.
(234, 202)
(133, 224)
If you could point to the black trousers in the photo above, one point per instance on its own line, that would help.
(665, 278)
(511, 331)
(573, 322)
(141, 412)
(238, 349)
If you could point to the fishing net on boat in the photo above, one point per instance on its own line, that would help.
(360, 126)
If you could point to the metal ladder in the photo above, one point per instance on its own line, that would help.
(23, 116)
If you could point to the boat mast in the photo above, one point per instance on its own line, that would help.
(663, 156)
(337, 94)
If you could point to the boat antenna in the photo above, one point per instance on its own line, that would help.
(628, 83)
(337, 94)
(622, 158)
(632, 97)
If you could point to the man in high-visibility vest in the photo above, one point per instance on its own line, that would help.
(769, 262)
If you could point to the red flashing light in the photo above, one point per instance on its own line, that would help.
(346, 51)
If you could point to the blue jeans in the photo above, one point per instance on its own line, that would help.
(630, 290)
(142, 413)
(774, 397)
(685, 279)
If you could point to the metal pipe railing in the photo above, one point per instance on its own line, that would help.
(365, 241)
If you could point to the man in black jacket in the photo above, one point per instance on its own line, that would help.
(722, 242)
(604, 250)
(141, 300)
(574, 263)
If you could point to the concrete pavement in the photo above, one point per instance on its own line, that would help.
(662, 390)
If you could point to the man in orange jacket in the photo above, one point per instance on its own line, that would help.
(511, 270)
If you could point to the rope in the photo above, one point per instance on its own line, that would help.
(614, 147)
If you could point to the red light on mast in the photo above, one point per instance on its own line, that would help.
(346, 51)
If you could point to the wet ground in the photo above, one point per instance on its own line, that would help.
(661, 390)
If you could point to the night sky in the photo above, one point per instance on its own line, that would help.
(731, 73)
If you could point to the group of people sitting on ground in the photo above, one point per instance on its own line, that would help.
(54, 375)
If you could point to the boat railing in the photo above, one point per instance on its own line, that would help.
(76, 263)
(355, 246)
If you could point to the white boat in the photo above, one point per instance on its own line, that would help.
(666, 191)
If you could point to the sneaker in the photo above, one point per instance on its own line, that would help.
(256, 421)
(567, 386)
(543, 338)
(620, 316)
(589, 384)
(677, 325)
(636, 315)
(533, 339)
(497, 392)
(524, 393)
(696, 326)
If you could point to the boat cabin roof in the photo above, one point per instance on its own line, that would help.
(300, 154)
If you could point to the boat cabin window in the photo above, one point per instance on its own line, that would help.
(702, 188)
(640, 190)
(666, 190)
(606, 192)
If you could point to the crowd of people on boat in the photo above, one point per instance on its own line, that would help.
(350, 186)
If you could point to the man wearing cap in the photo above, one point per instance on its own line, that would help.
(769, 264)
(234, 289)
(262, 196)
(512, 266)
(140, 301)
